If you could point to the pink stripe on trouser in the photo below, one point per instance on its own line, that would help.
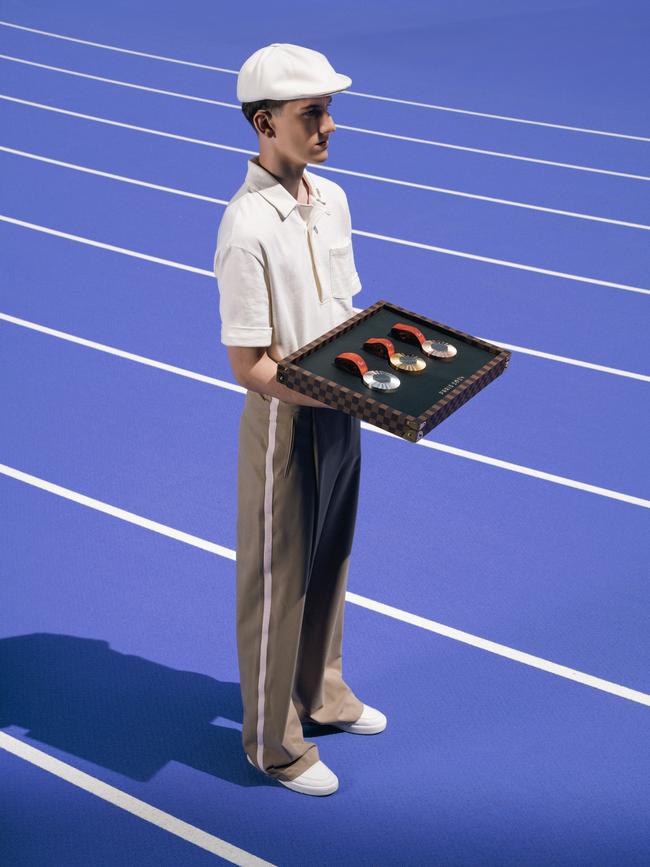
(268, 576)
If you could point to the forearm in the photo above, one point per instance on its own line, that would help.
(261, 378)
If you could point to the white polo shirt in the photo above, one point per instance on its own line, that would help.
(285, 270)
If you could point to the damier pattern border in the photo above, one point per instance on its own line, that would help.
(375, 412)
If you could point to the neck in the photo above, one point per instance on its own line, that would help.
(286, 173)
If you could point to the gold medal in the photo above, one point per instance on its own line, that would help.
(383, 347)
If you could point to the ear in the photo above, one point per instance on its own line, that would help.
(264, 118)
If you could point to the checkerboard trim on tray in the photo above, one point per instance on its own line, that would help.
(370, 409)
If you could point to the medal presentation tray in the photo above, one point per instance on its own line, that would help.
(422, 400)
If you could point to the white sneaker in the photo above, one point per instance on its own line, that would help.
(371, 722)
(317, 780)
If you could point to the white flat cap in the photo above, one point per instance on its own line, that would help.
(285, 71)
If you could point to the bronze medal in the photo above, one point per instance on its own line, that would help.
(439, 348)
(435, 348)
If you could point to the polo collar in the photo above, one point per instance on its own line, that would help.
(259, 180)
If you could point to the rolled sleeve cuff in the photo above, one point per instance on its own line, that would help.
(238, 335)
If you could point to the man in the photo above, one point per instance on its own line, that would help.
(286, 274)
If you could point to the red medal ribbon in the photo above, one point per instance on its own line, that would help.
(377, 345)
(352, 362)
(408, 333)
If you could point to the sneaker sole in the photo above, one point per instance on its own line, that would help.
(356, 729)
(328, 789)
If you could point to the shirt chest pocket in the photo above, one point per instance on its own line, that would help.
(344, 279)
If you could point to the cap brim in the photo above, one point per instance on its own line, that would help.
(336, 84)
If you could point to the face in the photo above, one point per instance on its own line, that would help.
(300, 128)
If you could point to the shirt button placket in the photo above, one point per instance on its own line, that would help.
(319, 283)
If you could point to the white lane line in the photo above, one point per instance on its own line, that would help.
(447, 449)
(363, 601)
(529, 471)
(25, 323)
(204, 272)
(505, 117)
(504, 262)
(427, 187)
(103, 246)
(564, 359)
(535, 352)
(113, 177)
(421, 246)
(501, 154)
(366, 131)
(129, 803)
(121, 353)
(580, 215)
(119, 81)
(429, 105)
(501, 649)
(122, 125)
(116, 512)
(117, 48)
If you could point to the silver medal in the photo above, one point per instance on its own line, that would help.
(381, 380)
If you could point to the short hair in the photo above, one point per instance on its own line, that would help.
(250, 108)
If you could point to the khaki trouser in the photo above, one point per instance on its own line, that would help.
(297, 492)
